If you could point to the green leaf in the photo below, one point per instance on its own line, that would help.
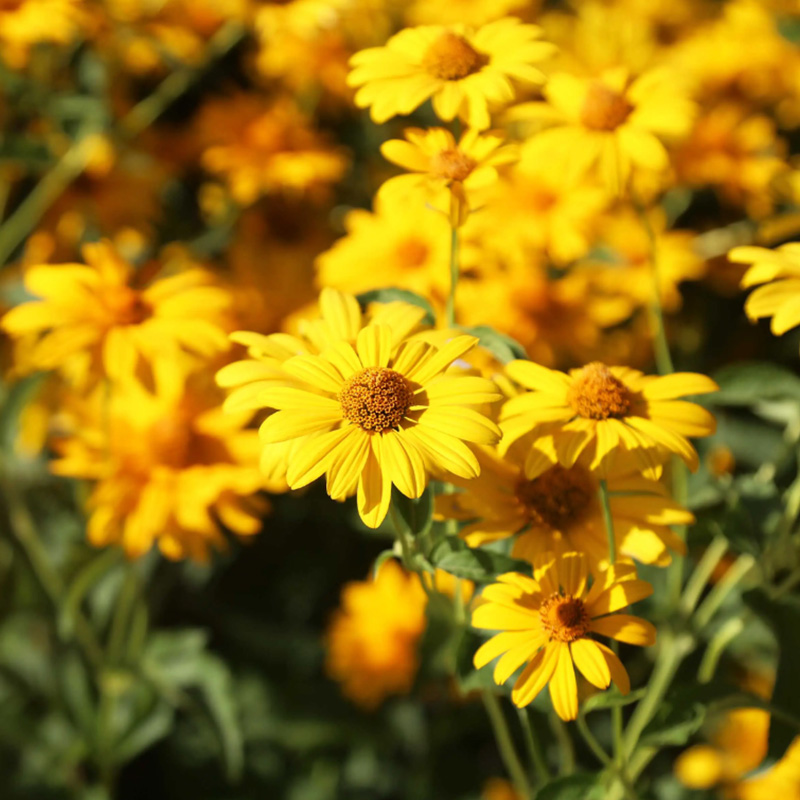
(580, 786)
(611, 699)
(783, 616)
(145, 733)
(502, 347)
(415, 516)
(751, 382)
(471, 679)
(482, 566)
(403, 295)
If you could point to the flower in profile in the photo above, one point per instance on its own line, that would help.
(170, 468)
(104, 317)
(259, 148)
(372, 639)
(382, 412)
(618, 410)
(557, 509)
(779, 272)
(610, 124)
(547, 622)
(465, 71)
(452, 176)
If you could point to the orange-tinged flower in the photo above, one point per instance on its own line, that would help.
(620, 411)
(452, 176)
(547, 623)
(25, 23)
(101, 318)
(372, 640)
(464, 71)
(550, 508)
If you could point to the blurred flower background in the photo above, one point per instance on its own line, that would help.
(347, 346)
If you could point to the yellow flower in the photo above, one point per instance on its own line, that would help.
(372, 639)
(499, 789)
(616, 409)
(464, 70)
(539, 207)
(451, 177)
(96, 319)
(170, 467)
(547, 622)
(382, 412)
(610, 124)
(779, 271)
(410, 242)
(471, 12)
(550, 508)
(260, 148)
(25, 23)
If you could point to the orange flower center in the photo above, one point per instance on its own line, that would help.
(452, 165)
(376, 399)
(564, 617)
(11, 5)
(125, 306)
(557, 498)
(412, 253)
(604, 109)
(596, 393)
(452, 57)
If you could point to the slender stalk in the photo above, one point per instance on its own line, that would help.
(702, 573)
(450, 309)
(721, 639)
(122, 616)
(505, 744)
(591, 741)
(535, 753)
(616, 711)
(716, 597)
(566, 749)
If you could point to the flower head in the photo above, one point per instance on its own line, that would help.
(376, 411)
(620, 411)
(101, 318)
(611, 124)
(548, 623)
(372, 639)
(452, 176)
(463, 70)
(550, 508)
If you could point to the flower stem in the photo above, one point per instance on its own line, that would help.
(721, 639)
(591, 741)
(450, 310)
(716, 597)
(566, 748)
(505, 744)
(535, 753)
(702, 572)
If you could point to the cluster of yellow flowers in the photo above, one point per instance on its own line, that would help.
(539, 197)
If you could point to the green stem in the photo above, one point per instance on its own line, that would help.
(566, 749)
(591, 741)
(535, 753)
(450, 310)
(505, 745)
(716, 597)
(680, 492)
(702, 573)
(673, 649)
(721, 639)
(123, 611)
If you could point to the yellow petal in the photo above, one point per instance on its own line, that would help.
(535, 676)
(590, 661)
(625, 628)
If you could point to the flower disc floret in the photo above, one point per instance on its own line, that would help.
(451, 57)
(557, 498)
(604, 109)
(453, 165)
(564, 618)
(376, 399)
(598, 394)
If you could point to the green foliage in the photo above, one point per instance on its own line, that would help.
(502, 347)
(580, 786)
(480, 565)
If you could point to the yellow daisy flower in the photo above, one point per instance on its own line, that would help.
(547, 621)
(380, 413)
(464, 70)
(779, 272)
(101, 318)
(171, 468)
(372, 639)
(550, 508)
(616, 409)
(611, 124)
(452, 177)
